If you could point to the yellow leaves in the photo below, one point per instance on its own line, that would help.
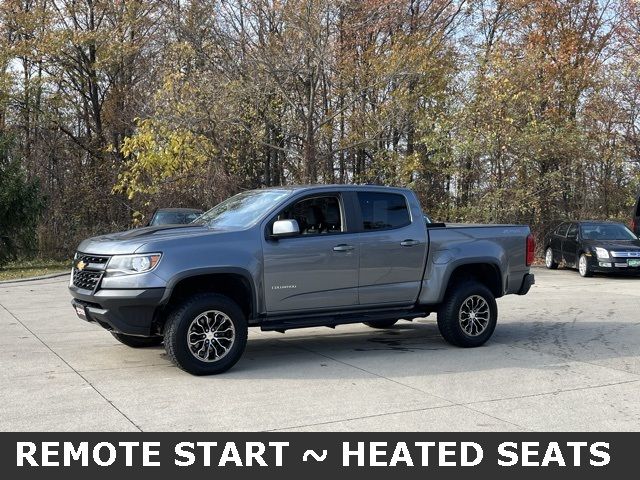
(158, 153)
(137, 218)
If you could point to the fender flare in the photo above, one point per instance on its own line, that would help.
(472, 261)
(196, 272)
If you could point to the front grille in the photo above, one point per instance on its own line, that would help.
(627, 254)
(97, 262)
(88, 278)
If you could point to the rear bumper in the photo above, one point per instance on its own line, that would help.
(527, 281)
(130, 312)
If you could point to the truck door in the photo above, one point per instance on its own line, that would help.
(557, 237)
(317, 269)
(393, 248)
(570, 245)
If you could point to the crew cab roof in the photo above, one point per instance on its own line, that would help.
(338, 186)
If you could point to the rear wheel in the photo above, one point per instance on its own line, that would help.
(206, 334)
(468, 316)
(137, 342)
(381, 323)
(583, 266)
(549, 262)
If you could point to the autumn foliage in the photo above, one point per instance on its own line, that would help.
(492, 110)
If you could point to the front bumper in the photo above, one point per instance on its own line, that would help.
(127, 311)
(613, 265)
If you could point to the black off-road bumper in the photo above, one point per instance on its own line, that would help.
(527, 281)
(130, 312)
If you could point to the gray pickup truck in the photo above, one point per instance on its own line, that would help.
(293, 257)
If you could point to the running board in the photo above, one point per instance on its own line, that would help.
(331, 320)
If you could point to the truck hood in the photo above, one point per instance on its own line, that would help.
(132, 240)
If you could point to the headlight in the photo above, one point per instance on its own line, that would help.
(130, 264)
(602, 252)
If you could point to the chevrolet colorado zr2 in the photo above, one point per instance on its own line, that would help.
(293, 257)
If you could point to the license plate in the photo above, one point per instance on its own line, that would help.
(80, 312)
(634, 263)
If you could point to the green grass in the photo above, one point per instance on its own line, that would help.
(32, 268)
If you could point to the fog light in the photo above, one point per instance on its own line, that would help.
(604, 264)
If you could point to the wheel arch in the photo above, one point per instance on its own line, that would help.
(485, 272)
(235, 283)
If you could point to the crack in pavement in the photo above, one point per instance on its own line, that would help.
(466, 405)
(72, 368)
(24, 283)
(375, 415)
(403, 384)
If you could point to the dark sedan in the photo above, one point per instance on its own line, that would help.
(169, 216)
(594, 247)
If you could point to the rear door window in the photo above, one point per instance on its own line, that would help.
(573, 231)
(383, 211)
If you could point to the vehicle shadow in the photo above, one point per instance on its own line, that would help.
(416, 348)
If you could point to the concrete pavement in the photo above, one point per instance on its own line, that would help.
(564, 357)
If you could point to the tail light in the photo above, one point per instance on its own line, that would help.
(634, 225)
(531, 249)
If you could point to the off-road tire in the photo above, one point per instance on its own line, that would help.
(137, 342)
(449, 314)
(177, 326)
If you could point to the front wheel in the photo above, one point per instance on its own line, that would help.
(549, 262)
(137, 342)
(206, 334)
(583, 266)
(468, 316)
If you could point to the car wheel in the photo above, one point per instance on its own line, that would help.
(137, 342)
(206, 334)
(381, 323)
(583, 266)
(549, 262)
(468, 316)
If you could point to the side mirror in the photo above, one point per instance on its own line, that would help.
(285, 228)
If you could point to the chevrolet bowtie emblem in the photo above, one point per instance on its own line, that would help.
(81, 265)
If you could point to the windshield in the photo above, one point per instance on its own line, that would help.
(613, 231)
(241, 210)
(167, 218)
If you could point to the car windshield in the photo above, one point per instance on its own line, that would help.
(166, 218)
(241, 210)
(612, 231)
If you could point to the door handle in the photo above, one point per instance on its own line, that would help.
(343, 248)
(409, 243)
